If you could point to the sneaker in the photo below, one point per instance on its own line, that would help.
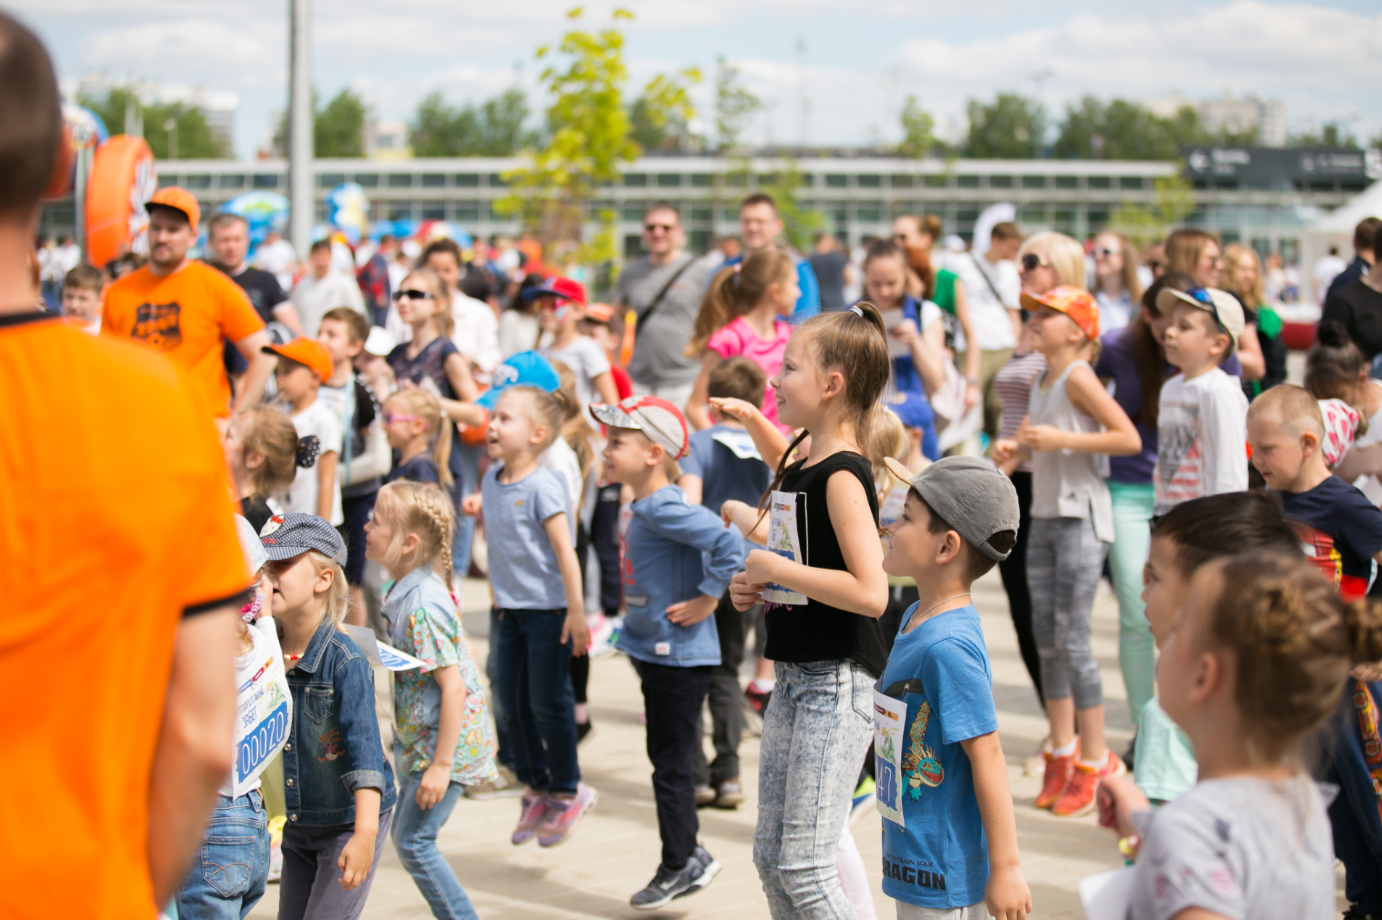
(602, 636)
(1130, 755)
(705, 795)
(534, 811)
(503, 786)
(669, 884)
(864, 798)
(564, 814)
(583, 731)
(1035, 765)
(1059, 770)
(1078, 798)
(757, 700)
(729, 794)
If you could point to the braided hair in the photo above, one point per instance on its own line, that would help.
(424, 510)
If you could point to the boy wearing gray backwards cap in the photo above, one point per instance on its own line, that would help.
(949, 836)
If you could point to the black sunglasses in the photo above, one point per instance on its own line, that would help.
(652, 227)
(1031, 262)
(1202, 296)
(412, 295)
(1105, 253)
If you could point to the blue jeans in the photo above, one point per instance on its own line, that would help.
(465, 524)
(536, 714)
(815, 733)
(232, 866)
(415, 838)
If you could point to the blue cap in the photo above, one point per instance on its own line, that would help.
(287, 536)
(527, 368)
(912, 408)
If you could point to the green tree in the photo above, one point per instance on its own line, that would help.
(339, 129)
(194, 138)
(734, 106)
(660, 118)
(1122, 130)
(1011, 127)
(495, 128)
(800, 225)
(918, 130)
(1331, 134)
(438, 130)
(1173, 200)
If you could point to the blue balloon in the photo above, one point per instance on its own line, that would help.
(263, 211)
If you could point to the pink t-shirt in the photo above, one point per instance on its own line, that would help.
(737, 338)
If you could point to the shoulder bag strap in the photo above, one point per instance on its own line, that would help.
(643, 319)
(987, 280)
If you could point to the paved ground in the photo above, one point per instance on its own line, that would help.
(616, 850)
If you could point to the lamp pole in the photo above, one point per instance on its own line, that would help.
(301, 206)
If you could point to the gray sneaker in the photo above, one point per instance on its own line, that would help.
(668, 885)
(503, 786)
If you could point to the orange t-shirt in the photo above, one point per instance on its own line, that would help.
(185, 315)
(115, 523)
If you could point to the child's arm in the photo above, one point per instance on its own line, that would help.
(1360, 461)
(752, 523)
(1007, 896)
(722, 550)
(575, 628)
(693, 486)
(436, 779)
(861, 587)
(604, 385)
(472, 504)
(358, 854)
(1120, 439)
(700, 392)
(326, 483)
(767, 437)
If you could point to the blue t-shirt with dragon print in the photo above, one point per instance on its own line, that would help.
(941, 670)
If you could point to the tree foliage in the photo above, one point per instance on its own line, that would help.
(918, 130)
(339, 129)
(1174, 199)
(1123, 130)
(734, 106)
(1010, 127)
(661, 116)
(800, 225)
(496, 127)
(194, 137)
(1331, 134)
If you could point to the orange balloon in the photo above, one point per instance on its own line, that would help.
(122, 179)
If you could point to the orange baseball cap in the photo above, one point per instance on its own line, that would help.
(308, 352)
(179, 199)
(1079, 305)
(600, 313)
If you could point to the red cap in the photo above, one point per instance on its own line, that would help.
(309, 352)
(1079, 305)
(179, 199)
(557, 286)
(657, 418)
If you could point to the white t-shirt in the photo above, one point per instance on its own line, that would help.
(993, 324)
(476, 334)
(314, 298)
(1367, 483)
(587, 361)
(518, 331)
(278, 258)
(317, 419)
(262, 691)
(1326, 270)
(562, 460)
(1201, 439)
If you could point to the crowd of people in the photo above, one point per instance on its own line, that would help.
(230, 491)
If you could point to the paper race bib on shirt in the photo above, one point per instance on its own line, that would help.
(889, 722)
(740, 443)
(784, 540)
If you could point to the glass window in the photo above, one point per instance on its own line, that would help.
(902, 181)
(1000, 181)
(1067, 181)
(702, 180)
(467, 211)
(669, 180)
(330, 180)
(768, 179)
(835, 180)
(1033, 214)
(1098, 182)
(736, 180)
(261, 180)
(1034, 182)
(166, 180)
(233, 181)
(1064, 219)
(1130, 182)
(633, 212)
(1226, 185)
(635, 180)
(936, 181)
(700, 240)
(702, 213)
(966, 215)
(321, 213)
(198, 182)
(1097, 217)
(867, 180)
(367, 180)
(400, 180)
(467, 180)
(400, 210)
(839, 214)
(433, 180)
(967, 181)
(1259, 185)
(433, 210)
(497, 181)
(869, 211)
(729, 212)
(806, 180)
(496, 216)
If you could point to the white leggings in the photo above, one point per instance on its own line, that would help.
(853, 877)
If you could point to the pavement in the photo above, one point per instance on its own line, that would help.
(615, 851)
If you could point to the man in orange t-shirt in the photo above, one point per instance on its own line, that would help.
(121, 573)
(186, 309)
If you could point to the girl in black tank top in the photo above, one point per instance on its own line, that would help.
(821, 579)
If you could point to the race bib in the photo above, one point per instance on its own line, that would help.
(739, 443)
(889, 726)
(263, 713)
(784, 540)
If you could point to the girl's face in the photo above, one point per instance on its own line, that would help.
(1041, 276)
(445, 265)
(233, 446)
(786, 292)
(1180, 670)
(1108, 256)
(1053, 331)
(1157, 322)
(556, 312)
(399, 427)
(1164, 586)
(1244, 272)
(801, 389)
(511, 427)
(416, 302)
(298, 588)
(885, 282)
(1207, 268)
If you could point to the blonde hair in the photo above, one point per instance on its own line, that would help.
(425, 511)
(441, 295)
(1131, 259)
(545, 410)
(1062, 253)
(269, 431)
(1183, 250)
(427, 407)
(575, 430)
(1229, 268)
(336, 602)
(735, 291)
(891, 440)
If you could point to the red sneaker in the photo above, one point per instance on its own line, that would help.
(1059, 770)
(530, 818)
(1078, 798)
(564, 814)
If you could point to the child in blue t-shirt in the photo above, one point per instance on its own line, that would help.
(949, 838)
(678, 560)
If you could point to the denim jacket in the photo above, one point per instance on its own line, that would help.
(674, 551)
(334, 746)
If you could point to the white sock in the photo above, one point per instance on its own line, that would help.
(1095, 764)
(1065, 750)
(763, 685)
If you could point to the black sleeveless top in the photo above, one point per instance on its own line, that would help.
(814, 631)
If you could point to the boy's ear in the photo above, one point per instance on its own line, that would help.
(254, 459)
(353, 349)
(952, 549)
(656, 455)
(1309, 441)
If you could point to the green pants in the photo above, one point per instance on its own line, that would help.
(1132, 514)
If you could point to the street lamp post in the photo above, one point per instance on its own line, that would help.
(301, 206)
(171, 126)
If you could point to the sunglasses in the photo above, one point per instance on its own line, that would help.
(412, 295)
(1031, 262)
(1202, 296)
(1104, 253)
(653, 228)
(391, 417)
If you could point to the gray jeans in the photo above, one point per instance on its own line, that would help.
(907, 911)
(815, 732)
(1064, 560)
(310, 888)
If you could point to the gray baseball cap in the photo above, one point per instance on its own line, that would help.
(969, 494)
(287, 536)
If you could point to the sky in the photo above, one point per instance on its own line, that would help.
(852, 64)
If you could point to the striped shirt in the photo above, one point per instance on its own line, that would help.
(1014, 385)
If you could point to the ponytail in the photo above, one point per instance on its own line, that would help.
(1334, 364)
(424, 405)
(735, 291)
